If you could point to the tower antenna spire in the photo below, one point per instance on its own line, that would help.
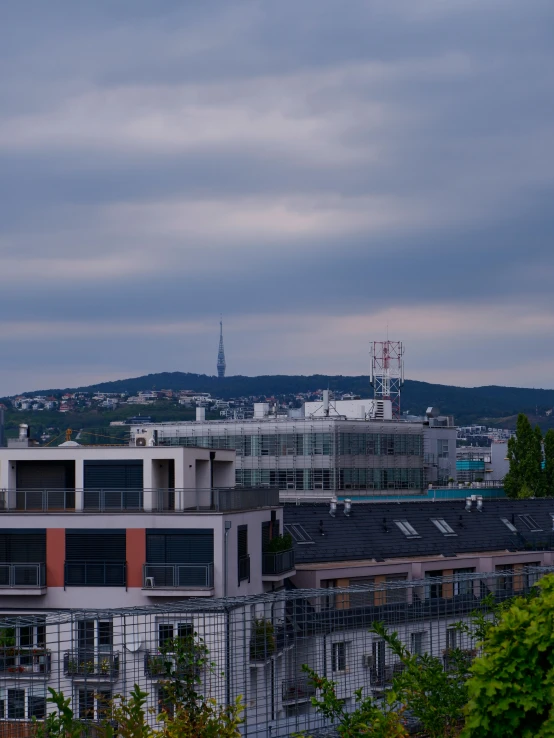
(221, 365)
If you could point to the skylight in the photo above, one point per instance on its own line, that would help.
(511, 527)
(443, 526)
(408, 529)
(530, 522)
(298, 532)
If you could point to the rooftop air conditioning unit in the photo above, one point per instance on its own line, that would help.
(145, 438)
(149, 582)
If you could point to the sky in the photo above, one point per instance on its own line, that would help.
(322, 173)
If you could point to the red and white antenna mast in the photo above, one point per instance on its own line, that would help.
(387, 372)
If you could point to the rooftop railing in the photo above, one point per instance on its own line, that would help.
(227, 499)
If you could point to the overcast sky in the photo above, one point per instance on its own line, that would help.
(319, 171)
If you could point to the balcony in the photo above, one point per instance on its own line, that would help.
(167, 666)
(22, 579)
(137, 500)
(244, 569)
(277, 565)
(297, 690)
(25, 661)
(162, 580)
(91, 664)
(95, 574)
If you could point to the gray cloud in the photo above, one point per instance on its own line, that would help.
(315, 172)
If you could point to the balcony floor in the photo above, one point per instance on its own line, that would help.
(278, 577)
(179, 591)
(22, 591)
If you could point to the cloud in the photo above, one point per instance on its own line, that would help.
(314, 175)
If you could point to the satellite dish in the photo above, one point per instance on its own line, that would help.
(133, 644)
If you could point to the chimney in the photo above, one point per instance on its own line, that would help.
(468, 504)
(333, 506)
(326, 403)
(200, 414)
(347, 506)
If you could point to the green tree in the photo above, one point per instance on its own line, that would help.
(549, 463)
(510, 691)
(525, 456)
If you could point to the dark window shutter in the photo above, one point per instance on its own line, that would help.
(95, 545)
(266, 537)
(242, 541)
(23, 546)
(195, 546)
(113, 474)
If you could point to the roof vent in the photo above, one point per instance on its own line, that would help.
(468, 504)
(347, 506)
(480, 503)
(333, 506)
(321, 531)
(385, 526)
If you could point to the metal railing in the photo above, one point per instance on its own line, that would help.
(95, 574)
(226, 499)
(22, 575)
(300, 689)
(92, 664)
(279, 562)
(244, 568)
(161, 576)
(25, 661)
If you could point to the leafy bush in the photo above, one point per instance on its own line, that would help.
(262, 640)
(511, 688)
(279, 543)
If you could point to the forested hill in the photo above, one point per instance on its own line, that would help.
(466, 404)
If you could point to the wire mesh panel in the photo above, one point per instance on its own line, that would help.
(254, 648)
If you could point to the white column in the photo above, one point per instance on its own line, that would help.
(148, 483)
(79, 483)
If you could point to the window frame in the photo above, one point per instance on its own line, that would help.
(339, 657)
(406, 528)
(443, 527)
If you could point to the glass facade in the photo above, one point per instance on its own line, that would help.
(330, 458)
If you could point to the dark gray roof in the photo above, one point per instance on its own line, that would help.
(370, 532)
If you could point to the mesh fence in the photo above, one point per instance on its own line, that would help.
(254, 647)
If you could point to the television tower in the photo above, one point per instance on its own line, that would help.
(221, 366)
(387, 372)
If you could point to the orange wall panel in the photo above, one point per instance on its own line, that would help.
(136, 555)
(55, 557)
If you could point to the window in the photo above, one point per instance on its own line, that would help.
(93, 704)
(37, 706)
(16, 704)
(329, 600)
(505, 582)
(443, 526)
(452, 638)
(95, 558)
(242, 552)
(433, 587)
(511, 527)
(378, 654)
(168, 631)
(418, 643)
(95, 635)
(339, 656)
(442, 448)
(529, 522)
(408, 530)
(463, 585)
(299, 533)
(166, 703)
